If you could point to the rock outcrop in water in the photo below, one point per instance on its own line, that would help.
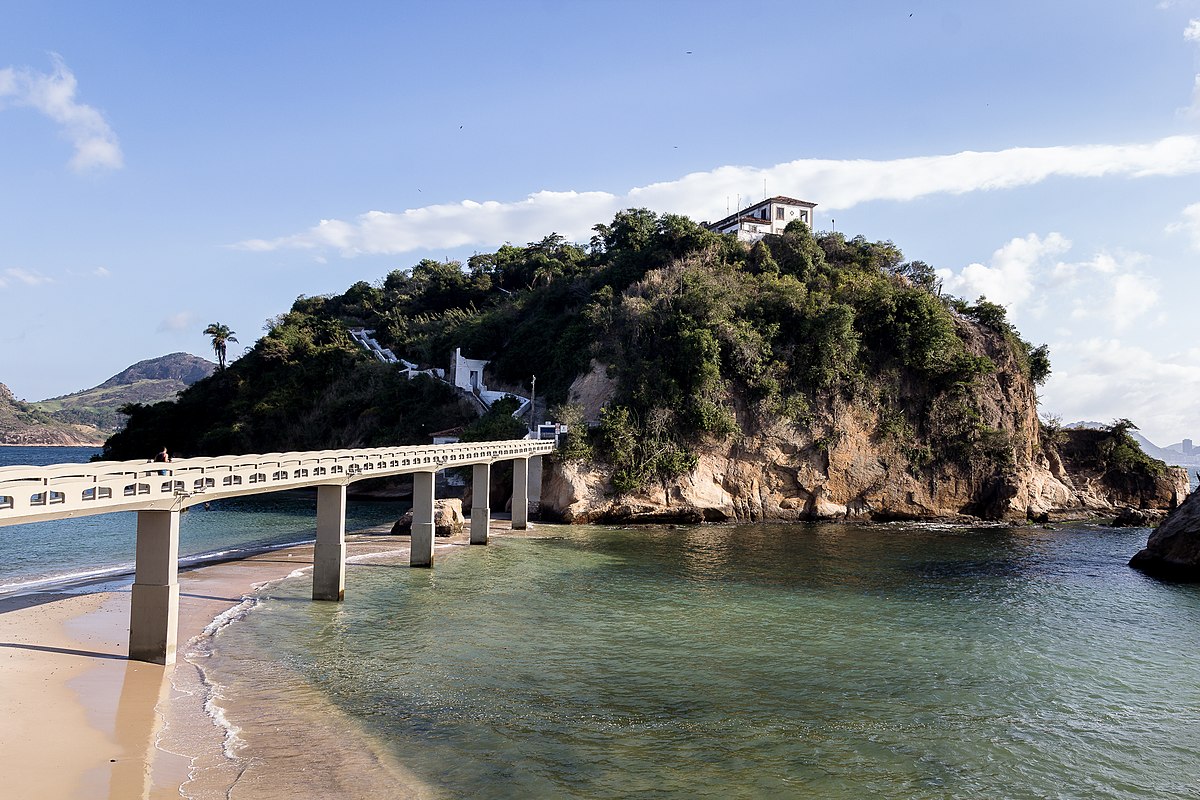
(1173, 550)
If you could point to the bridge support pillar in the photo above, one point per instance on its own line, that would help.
(154, 603)
(420, 550)
(481, 515)
(329, 553)
(520, 494)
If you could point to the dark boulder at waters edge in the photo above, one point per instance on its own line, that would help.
(1138, 518)
(1173, 550)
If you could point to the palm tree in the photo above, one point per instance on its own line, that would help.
(220, 335)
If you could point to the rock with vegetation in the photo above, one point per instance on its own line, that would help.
(806, 376)
(1173, 549)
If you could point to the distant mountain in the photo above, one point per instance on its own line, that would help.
(90, 416)
(183, 368)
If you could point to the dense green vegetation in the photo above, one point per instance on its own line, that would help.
(306, 385)
(706, 337)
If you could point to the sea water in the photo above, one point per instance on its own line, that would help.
(54, 554)
(752, 661)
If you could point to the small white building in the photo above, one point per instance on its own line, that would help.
(770, 216)
(467, 373)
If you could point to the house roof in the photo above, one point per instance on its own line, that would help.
(448, 432)
(746, 212)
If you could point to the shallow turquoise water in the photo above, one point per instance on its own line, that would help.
(759, 661)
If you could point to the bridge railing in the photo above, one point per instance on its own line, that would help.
(28, 494)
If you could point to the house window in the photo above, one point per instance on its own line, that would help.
(778, 212)
(804, 216)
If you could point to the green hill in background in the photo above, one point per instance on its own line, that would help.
(90, 416)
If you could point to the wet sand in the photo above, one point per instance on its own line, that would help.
(81, 721)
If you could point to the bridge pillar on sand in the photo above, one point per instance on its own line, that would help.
(520, 494)
(481, 515)
(154, 603)
(329, 552)
(420, 551)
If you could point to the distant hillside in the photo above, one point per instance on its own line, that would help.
(21, 423)
(149, 381)
(90, 416)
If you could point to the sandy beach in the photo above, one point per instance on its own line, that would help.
(81, 721)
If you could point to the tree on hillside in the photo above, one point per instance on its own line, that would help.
(220, 335)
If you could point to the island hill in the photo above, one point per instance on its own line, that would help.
(704, 376)
(90, 416)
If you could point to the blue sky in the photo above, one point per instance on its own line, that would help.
(168, 165)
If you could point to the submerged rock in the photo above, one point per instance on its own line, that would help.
(1173, 550)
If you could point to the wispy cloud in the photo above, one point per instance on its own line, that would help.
(53, 94)
(1192, 34)
(1189, 223)
(178, 322)
(15, 275)
(702, 195)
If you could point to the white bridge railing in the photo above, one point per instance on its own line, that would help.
(31, 494)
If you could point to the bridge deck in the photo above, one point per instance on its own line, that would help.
(32, 494)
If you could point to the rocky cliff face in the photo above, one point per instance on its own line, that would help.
(840, 466)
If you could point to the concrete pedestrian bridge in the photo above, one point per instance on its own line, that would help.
(159, 491)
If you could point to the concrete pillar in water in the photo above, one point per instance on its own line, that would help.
(520, 494)
(420, 552)
(481, 476)
(154, 603)
(329, 553)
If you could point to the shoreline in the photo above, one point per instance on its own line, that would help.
(83, 721)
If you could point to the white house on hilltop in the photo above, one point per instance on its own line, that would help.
(770, 216)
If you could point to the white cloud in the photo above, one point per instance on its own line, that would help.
(1192, 31)
(177, 322)
(1189, 224)
(702, 195)
(1104, 378)
(27, 277)
(53, 94)
(102, 272)
(571, 214)
(1024, 277)
(1013, 274)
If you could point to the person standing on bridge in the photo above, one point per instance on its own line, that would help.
(164, 457)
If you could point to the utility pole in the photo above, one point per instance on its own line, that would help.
(532, 401)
